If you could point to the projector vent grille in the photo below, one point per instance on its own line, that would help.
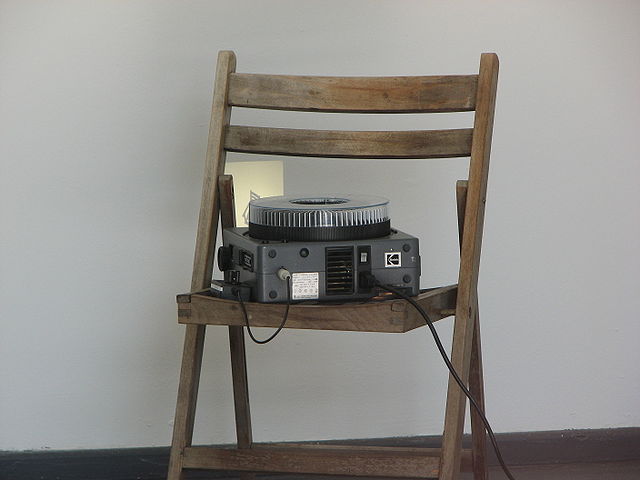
(339, 270)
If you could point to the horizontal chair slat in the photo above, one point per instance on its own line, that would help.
(353, 461)
(420, 94)
(349, 144)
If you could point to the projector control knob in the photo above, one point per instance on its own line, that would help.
(225, 258)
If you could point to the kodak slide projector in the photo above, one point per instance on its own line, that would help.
(329, 246)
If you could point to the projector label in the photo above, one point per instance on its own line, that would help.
(305, 286)
(392, 259)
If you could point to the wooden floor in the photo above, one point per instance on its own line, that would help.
(583, 471)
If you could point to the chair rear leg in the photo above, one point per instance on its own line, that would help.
(456, 400)
(187, 397)
(476, 387)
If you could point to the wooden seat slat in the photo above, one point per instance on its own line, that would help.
(391, 316)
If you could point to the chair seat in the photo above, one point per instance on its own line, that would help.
(391, 316)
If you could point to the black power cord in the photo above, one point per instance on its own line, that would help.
(284, 318)
(453, 372)
(436, 338)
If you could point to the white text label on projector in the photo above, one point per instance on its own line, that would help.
(305, 285)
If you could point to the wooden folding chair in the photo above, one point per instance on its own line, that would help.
(418, 94)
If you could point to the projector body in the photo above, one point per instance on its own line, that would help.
(321, 270)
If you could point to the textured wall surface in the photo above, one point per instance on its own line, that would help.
(104, 110)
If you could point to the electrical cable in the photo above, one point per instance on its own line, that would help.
(436, 338)
(284, 318)
(454, 374)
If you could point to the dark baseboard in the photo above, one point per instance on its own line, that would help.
(525, 448)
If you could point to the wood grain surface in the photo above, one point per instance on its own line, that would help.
(236, 333)
(392, 316)
(349, 144)
(469, 265)
(420, 94)
(326, 460)
(476, 380)
(202, 266)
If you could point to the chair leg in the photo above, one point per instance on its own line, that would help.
(476, 387)
(187, 397)
(241, 392)
(456, 400)
(240, 386)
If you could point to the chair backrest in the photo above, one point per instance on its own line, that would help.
(352, 95)
(417, 94)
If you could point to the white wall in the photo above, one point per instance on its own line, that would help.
(104, 112)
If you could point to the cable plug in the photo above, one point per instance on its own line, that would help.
(367, 280)
(283, 274)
